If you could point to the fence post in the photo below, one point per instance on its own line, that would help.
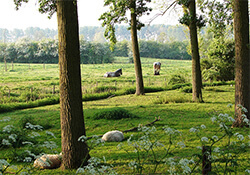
(115, 83)
(43, 65)
(206, 163)
(53, 91)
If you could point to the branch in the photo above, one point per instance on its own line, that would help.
(132, 129)
(163, 13)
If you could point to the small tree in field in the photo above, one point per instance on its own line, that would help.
(117, 14)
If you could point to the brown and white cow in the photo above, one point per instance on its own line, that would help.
(157, 67)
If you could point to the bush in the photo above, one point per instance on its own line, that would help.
(187, 89)
(113, 114)
(176, 79)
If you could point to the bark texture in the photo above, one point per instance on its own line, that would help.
(196, 70)
(71, 113)
(242, 59)
(136, 53)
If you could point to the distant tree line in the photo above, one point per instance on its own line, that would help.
(46, 51)
(166, 33)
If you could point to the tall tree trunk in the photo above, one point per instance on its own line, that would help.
(136, 52)
(71, 112)
(242, 59)
(196, 70)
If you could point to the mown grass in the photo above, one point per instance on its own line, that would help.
(173, 106)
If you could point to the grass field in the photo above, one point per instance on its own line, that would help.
(173, 106)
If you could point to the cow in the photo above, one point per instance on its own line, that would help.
(117, 73)
(157, 67)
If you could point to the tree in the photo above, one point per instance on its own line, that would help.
(117, 14)
(72, 120)
(190, 19)
(242, 60)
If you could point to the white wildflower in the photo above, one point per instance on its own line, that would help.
(213, 119)
(49, 144)
(4, 162)
(33, 127)
(231, 119)
(239, 136)
(203, 126)
(193, 130)
(133, 164)
(204, 139)
(199, 147)
(181, 144)
(27, 143)
(217, 149)
(246, 120)
(247, 171)
(80, 170)
(83, 138)
(215, 137)
(8, 128)
(34, 134)
(5, 119)
(50, 133)
(27, 159)
(6, 142)
(13, 137)
(119, 146)
(230, 105)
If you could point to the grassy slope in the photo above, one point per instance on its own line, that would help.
(181, 116)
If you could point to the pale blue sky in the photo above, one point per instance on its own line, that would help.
(28, 15)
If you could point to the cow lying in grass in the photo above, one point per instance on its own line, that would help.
(48, 161)
(117, 73)
(113, 136)
(157, 67)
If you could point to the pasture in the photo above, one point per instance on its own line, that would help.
(30, 83)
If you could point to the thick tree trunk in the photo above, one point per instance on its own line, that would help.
(242, 59)
(72, 121)
(136, 53)
(196, 70)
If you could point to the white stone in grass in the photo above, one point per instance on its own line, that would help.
(113, 136)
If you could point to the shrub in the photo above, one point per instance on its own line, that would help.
(113, 114)
(26, 119)
(176, 79)
(187, 89)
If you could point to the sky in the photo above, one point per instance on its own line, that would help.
(88, 14)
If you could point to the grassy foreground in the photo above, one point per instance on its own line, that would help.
(173, 106)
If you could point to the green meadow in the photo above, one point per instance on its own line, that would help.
(30, 88)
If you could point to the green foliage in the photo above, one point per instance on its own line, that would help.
(113, 114)
(188, 17)
(176, 79)
(117, 14)
(220, 15)
(219, 65)
(187, 89)
(174, 50)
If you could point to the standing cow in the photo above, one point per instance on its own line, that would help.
(157, 67)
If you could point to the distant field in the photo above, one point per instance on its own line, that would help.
(24, 80)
